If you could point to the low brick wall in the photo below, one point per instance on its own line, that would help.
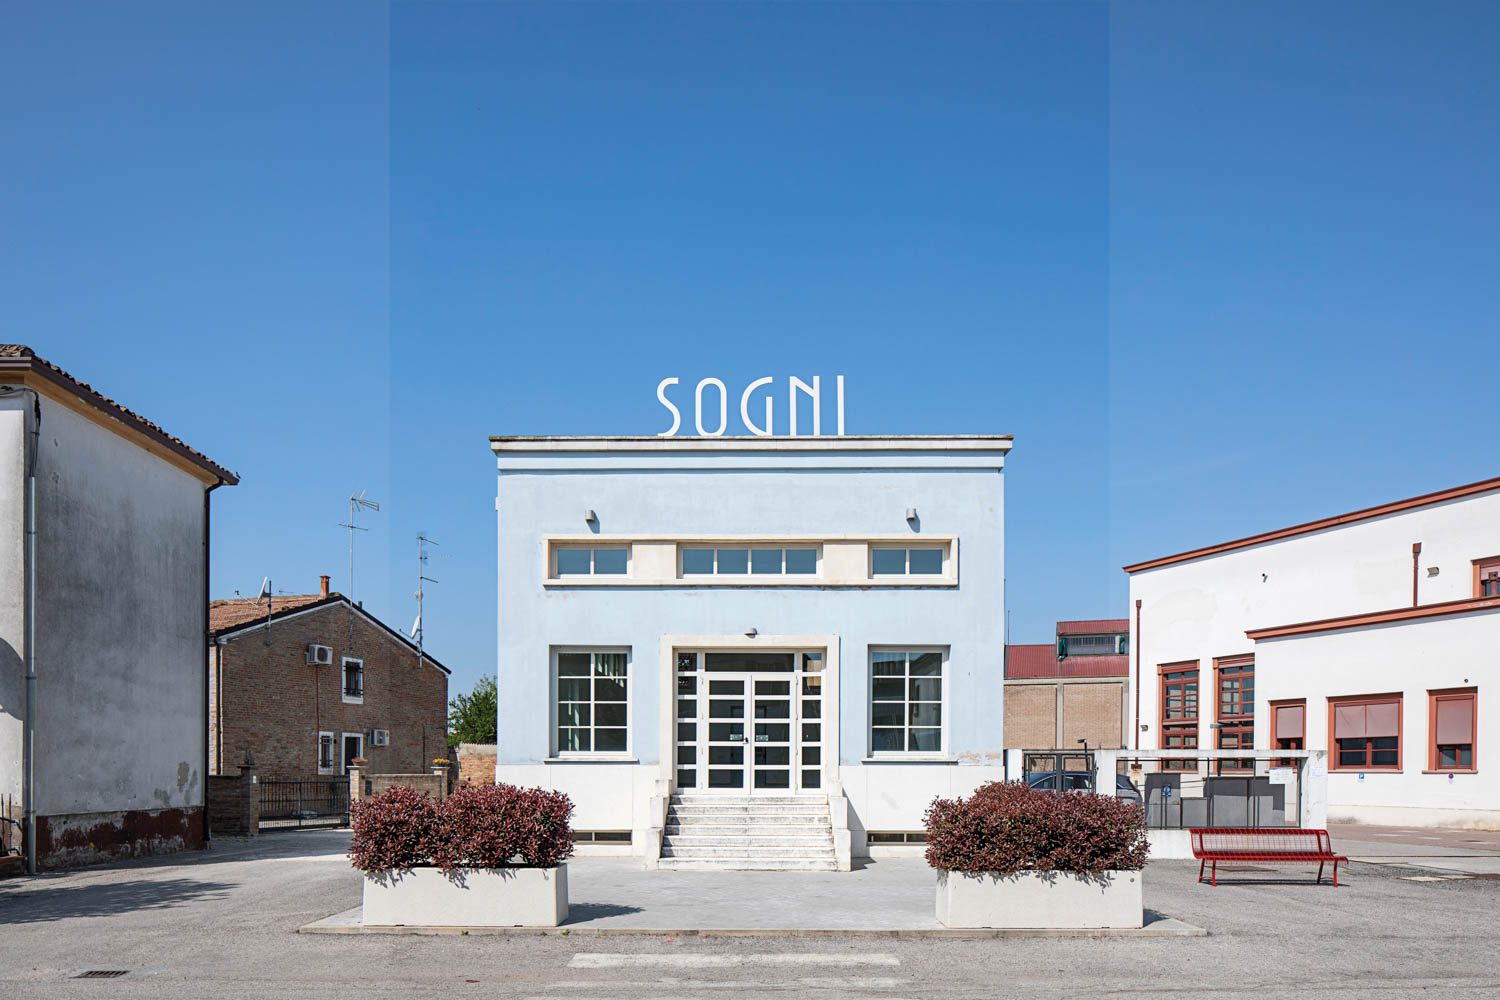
(435, 785)
(476, 763)
(233, 805)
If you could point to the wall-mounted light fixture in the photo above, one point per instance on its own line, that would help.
(911, 513)
(751, 633)
(589, 517)
(1432, 571)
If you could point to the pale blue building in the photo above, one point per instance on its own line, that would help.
(751, 651)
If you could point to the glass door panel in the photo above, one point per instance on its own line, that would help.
(726, 733)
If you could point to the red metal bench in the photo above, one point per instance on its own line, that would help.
(1210, 846)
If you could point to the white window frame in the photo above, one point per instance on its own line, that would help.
(344, 694)
(752, 548)
(943, 549)
(552, 700)
(343, 739)
(942, 753)
(333, 752)
(592, 550)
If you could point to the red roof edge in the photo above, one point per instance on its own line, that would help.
(1368, 513)
(1378, 617)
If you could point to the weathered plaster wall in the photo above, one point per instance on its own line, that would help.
(12, 593)
(120, 603)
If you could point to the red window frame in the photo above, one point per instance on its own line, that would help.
(1487, 577)
(1335, 757)
(1236, 728)
(1469, 694)
(1179, 732)
(1286, 741)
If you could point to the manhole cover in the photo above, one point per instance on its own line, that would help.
(102, 974)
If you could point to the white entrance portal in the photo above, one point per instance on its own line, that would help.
(749, 722)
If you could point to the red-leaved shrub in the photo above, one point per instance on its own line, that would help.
(494, 826)
(393, 831)
(1010, 827)
(497, 826)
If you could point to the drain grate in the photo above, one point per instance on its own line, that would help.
(101, 974)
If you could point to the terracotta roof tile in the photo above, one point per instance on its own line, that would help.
(234, 612)
(1093, 626)
(14, 356)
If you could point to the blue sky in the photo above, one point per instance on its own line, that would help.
(1218, 267)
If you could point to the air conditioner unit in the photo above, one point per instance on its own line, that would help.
(319, 656)
(380, 738)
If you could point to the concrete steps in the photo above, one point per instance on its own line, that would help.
(748, 833)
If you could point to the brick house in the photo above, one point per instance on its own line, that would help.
(1072, 689)
(315, 681)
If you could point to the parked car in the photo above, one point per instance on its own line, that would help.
(1081, 781)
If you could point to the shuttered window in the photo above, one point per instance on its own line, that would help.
(1451, 718)
(1289, 728)
(1366, 733)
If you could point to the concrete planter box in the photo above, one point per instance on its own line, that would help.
(1040, 899)
(473, 897)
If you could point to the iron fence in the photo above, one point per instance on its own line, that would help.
(323, 802)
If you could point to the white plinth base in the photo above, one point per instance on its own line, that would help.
(484, 897)
(1040, 899)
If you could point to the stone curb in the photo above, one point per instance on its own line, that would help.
(348, 922)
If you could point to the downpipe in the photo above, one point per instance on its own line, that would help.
(31, 449)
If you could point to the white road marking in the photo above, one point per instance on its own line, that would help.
(610, 960)
(815, 982)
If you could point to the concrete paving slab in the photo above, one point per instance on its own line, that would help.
(614, 896)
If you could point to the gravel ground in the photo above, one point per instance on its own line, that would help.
(222, 924)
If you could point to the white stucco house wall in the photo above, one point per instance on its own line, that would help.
(103, 734)
(690, 627)
(1374, 635)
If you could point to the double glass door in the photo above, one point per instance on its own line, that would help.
(746, 731)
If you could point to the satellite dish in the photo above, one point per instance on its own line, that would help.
(265, 590)
(416, 627)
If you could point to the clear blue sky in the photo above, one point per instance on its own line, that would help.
(1219, 267)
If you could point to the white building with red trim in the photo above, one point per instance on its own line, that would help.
(1374, 635)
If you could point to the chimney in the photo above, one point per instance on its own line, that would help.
(323, 584)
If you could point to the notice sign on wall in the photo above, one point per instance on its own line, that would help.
(712, 397)
(1281, 775)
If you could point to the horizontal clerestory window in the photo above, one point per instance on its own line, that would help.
(611, 560)
(743, 560)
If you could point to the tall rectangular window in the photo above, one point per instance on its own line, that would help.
(354, 680)
(326, 762)
(1451, 722)
(1289, 728)
(592, 704)
(1179, 713)
(906, 701)
(1235, 710)
(1365, 732)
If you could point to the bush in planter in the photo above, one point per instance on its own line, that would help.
(495, 826)
(1009, 827)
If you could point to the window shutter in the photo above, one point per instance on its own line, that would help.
(1348, 722)
(1455, 720)
(1381, 719)
(1289, 722)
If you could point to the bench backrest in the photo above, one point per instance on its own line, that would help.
(1262, 840)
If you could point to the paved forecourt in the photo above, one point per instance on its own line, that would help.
(224, 924)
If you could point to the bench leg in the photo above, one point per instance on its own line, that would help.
(1200, 871)
(1335, 874)
(1320, 873)
(1216, 873)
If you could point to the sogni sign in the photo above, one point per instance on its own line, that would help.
(718, 399)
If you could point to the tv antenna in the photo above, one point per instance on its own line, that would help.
(416, 628)
(357, 503)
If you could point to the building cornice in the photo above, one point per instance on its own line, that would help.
(1353, 517)
(1421, 611)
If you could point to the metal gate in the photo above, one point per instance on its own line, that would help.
(286, 804)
